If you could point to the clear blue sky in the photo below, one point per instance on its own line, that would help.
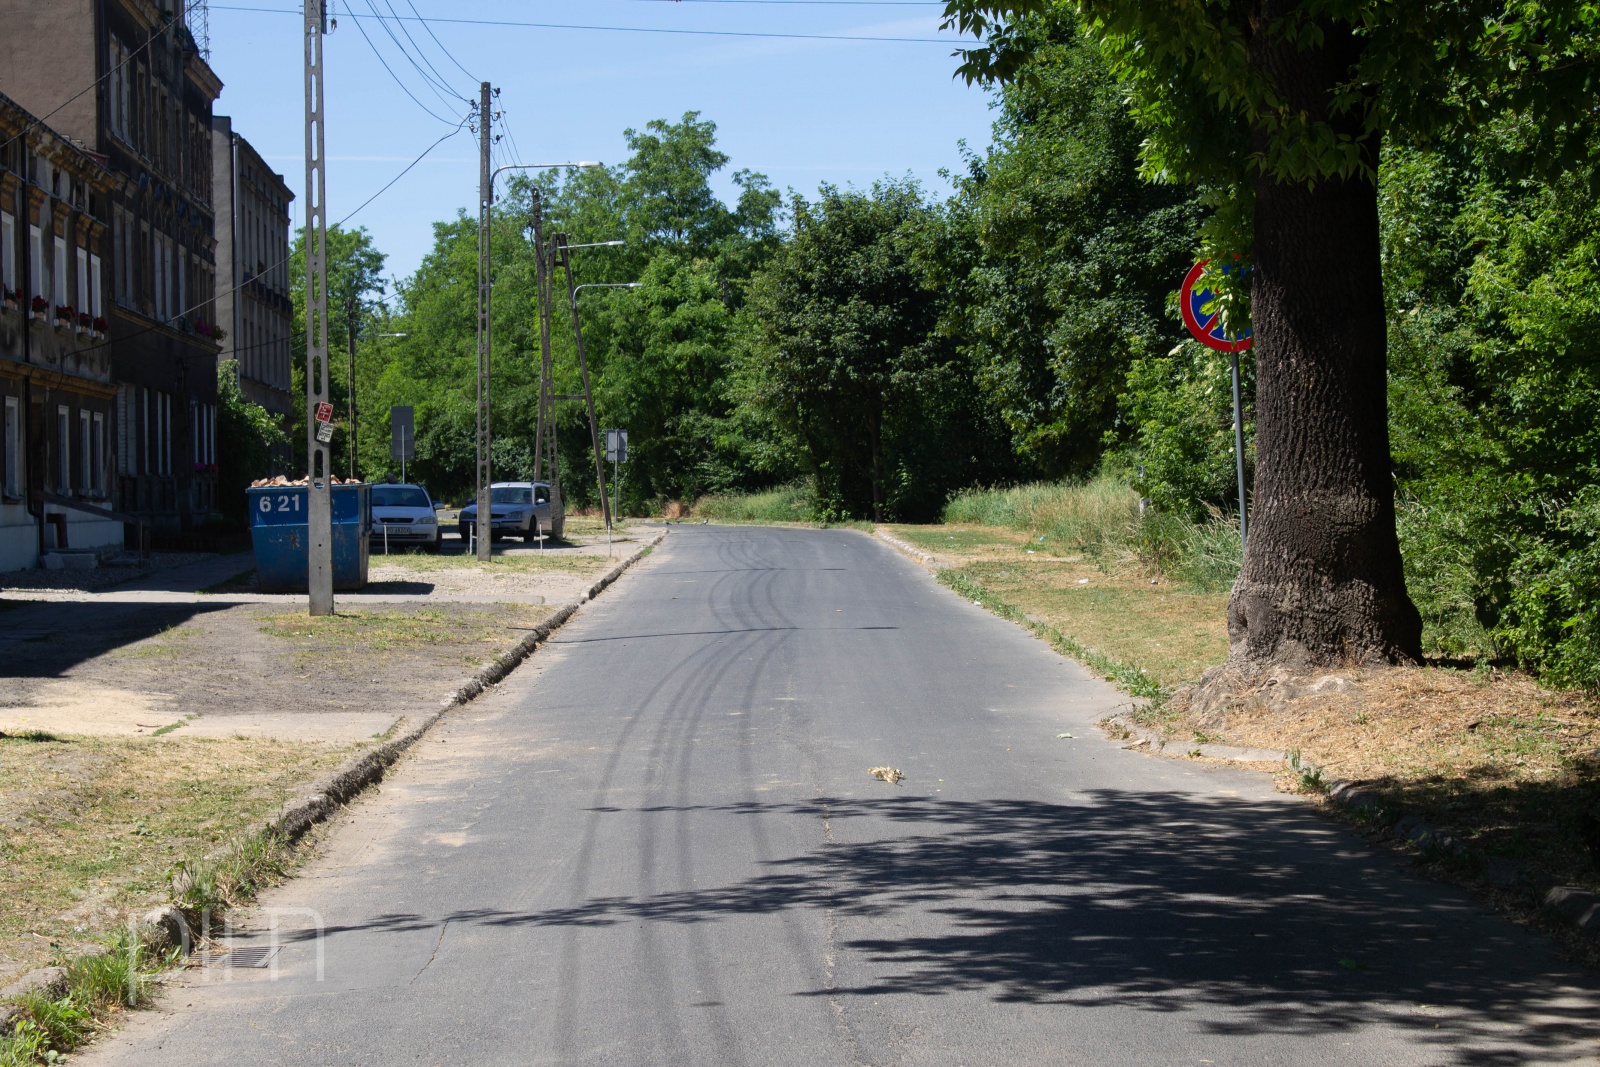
(800, 111)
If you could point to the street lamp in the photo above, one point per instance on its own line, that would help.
(350, 315)
(583, 365)
(484, 476)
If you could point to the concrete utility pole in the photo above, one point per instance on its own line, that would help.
(560, 240)
(350, 323)
(542, 266)
(485, 208)
(319, 470)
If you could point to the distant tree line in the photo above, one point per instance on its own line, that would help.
(892, 348)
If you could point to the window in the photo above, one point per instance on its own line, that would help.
(59, 276)
(182, 306)
(8, 251)
(36, 259)
(11, 472)
(95, 307)
(85, 467)
(125, 437)
(97, 456)
(166, 432)
(145, 431)
(63, 450)
(83, 280)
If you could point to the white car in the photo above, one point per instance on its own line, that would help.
(404, 515)
(518, 509)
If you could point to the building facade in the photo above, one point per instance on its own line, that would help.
(57, 393)
(253, 302)
(147, 116)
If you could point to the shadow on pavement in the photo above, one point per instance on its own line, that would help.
(45, 640)
(1157, 901)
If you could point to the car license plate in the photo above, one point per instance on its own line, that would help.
(399, 529)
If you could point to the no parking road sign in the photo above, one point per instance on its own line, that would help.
(1207, 327)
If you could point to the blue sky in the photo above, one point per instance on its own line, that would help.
(800, 111)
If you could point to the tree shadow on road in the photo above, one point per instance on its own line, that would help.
(1163, 901)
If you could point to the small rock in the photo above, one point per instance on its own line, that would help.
(1579, 907)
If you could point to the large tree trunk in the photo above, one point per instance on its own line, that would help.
(1322, 583)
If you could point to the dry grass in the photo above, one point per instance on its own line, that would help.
(1507, 765)
(477, 631)
(1162, 631)
(1503, 763)
(90, 827)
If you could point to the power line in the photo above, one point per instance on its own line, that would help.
(274, 266)
(91, 87)
(356, 19)
(447, 95)
(442, 79)
(618, 29)
(442, 48)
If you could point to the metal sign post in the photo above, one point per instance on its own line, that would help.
(319, 427)
(403, 436)
(1209, 329)
(617, 454)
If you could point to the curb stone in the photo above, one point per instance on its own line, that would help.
(167, 927)
(904, 546)
(1579, 908)
(344, 784)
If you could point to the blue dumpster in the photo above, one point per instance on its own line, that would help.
(278, 529)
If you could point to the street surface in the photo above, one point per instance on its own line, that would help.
(658, 844)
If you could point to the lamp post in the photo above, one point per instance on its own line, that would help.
(583, 365)
(485, 265)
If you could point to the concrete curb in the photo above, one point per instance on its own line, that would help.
(905, 546)
(1145, 738)
(168, 926)
(340, 787)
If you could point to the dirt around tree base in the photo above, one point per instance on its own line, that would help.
(1510, 769)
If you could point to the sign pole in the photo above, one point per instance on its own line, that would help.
(319, 470)
(1208, 328)
(1238, 446)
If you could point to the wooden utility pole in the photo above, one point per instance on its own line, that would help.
(319, 469)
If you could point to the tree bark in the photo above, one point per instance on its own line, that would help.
(1322, 583)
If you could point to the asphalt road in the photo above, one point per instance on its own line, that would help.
(658, 844)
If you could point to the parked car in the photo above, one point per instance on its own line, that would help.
(404, 514)
(517, 509)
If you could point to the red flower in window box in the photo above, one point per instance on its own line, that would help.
(85, 320)
(40, 305)
(64, 313)
(101, 324)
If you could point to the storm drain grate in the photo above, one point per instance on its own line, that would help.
(256, 957)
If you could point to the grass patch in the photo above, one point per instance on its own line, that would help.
(532, 562)
(97, 988)
(1130, 677)
(91, 828)
(795, 502)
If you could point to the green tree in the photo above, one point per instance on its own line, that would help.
(248, 441)
(1280, 107)
(355, 279)
(1066, 258)
(847, 356)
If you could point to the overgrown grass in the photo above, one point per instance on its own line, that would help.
(795, 502)
(1100, 519)
(97, 987)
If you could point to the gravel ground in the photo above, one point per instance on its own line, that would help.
(112, 570)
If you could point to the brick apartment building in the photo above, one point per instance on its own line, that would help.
(147, 119)
(253, 300)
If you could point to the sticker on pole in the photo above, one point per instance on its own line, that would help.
(324, 412)
(1207, 327)
(324, 432)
